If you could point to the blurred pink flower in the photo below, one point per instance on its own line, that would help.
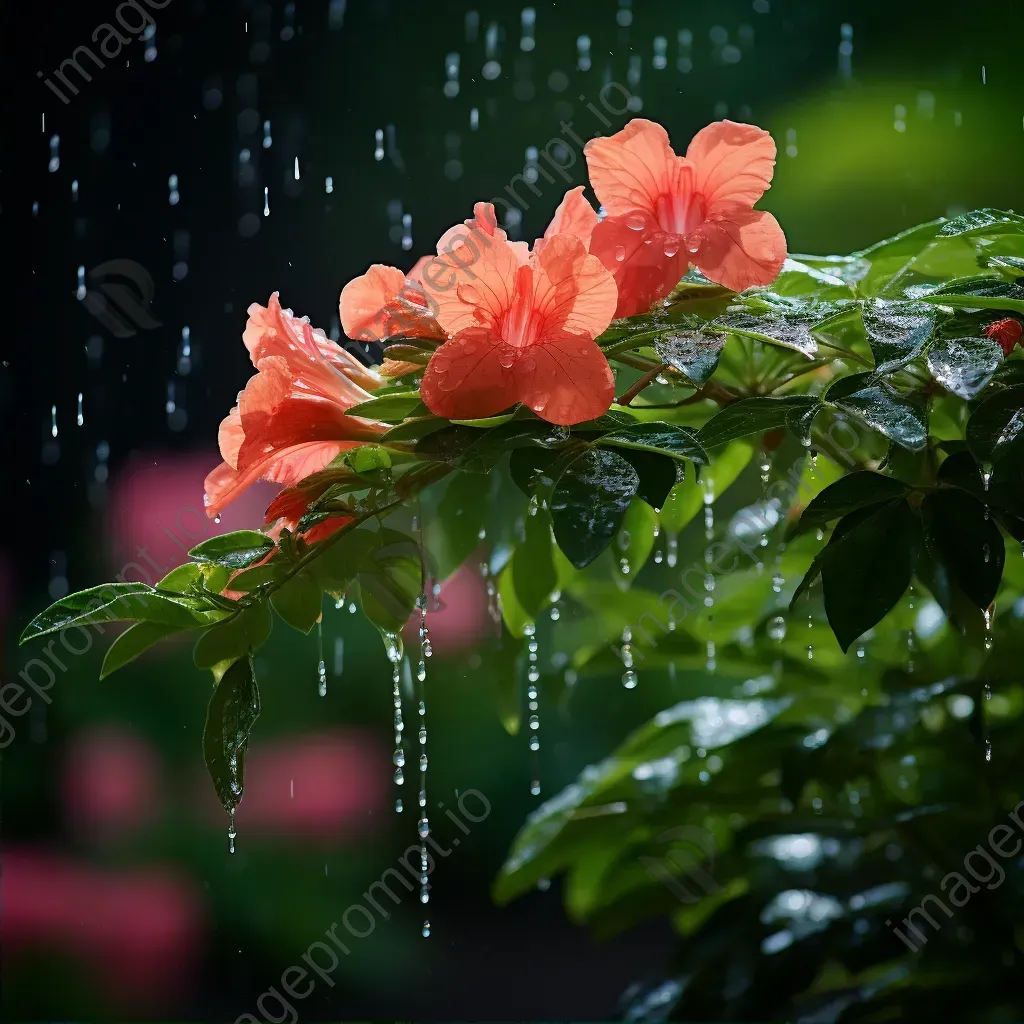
(458, 616)
(111, 782)
(135, 931)
(156, 513)
(320, 785)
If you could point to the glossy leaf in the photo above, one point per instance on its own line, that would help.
(694, 353)
(882, 408)
(589, 501)
(846, 495)
(658, 474)
(118, 602)
(233, 709)
(964, 365)
(234, 550)
(869, 568)
(659, 437)
(996, 427)
(751, 416)
(392, 408)
(897, 332)
(966, 541)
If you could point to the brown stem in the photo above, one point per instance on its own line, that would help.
(635, 390)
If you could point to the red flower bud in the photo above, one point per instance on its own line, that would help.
(1007, 332)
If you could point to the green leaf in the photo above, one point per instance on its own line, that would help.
(685, 500)
(390, 580)
(897, 332)
(846, 495)
(657, 474)
(533, 567)
(964, 365)
(392, 408)
(118, 602)
(259, 575)
(881, 407)
(694, 353)
(996, 427)
(869, 568)
(234, 639)
(786, 327)
(234, 550)
(984, 221)
(453, 534)
(135, 640)
(966, 541)
(635, 541)
(299, 601)
(1012, 265)
(527, 465)
(976, 302)
(368, 460)
(752, 416)
(589, 502)
(233, 708)
(659, 437)
(415, 429)
(516, 617)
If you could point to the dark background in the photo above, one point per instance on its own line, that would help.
(327, 76)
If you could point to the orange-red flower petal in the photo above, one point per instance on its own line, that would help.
(733, 164)
(741, 248)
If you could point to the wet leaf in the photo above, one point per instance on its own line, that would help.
(234, 550)
(966, 542)
(964, 365)
(982, 221)
(881, 407)
(868, 569)
(996, 427)
(658, 474)
(659, 437)
(120, 602)
(234, 639)
(233, 709)
(694, 353)
(752, 416)
(392, 408)
(897, 332)
(846, 495)
(589, 501)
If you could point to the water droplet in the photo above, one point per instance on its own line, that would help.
(425, 932)
(620, 253)
(635, 221)
(629, 679)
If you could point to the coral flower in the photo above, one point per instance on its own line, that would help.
(665, 212)
(290, 420)
(522, 329)
(1007, 332)
(385, 303)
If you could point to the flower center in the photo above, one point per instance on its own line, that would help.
(520, 327)
(680, 214)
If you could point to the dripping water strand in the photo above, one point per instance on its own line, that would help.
(710, 663)
(395, 656)
(629, 677)
(533, 705)
(321, 668)
(425, 652)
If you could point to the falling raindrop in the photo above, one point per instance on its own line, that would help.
(81, 290)
(81, 414)
(321, 668)
(54, 153)
(583, 53)
(329, 185)
(846, 51)
(173, 195)
(911, 636)
(987, 690)
(426, 930)
(407, 231)
(232, 831)
(810, 642)
(53, 421)
(266, 201)
(660, 60)
(394, 650)
(528, 20)
(532, 696)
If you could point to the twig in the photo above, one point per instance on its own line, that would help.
(635, 390)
